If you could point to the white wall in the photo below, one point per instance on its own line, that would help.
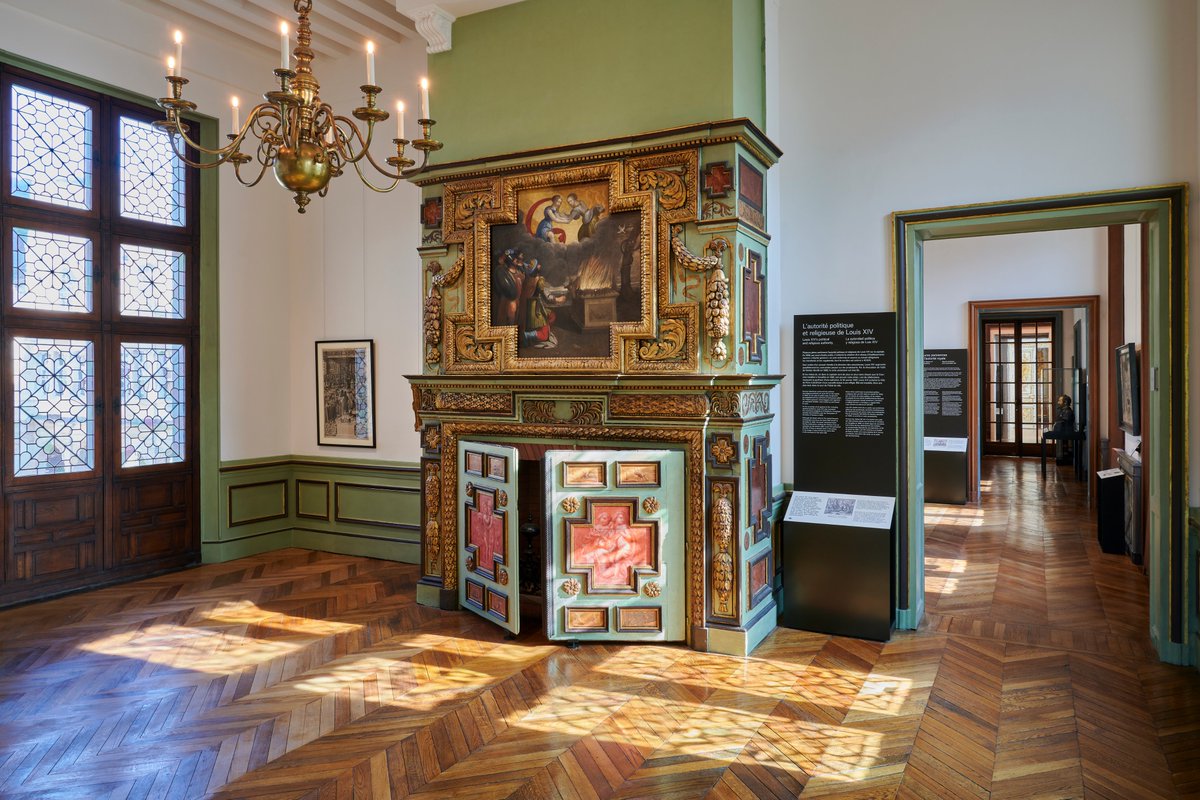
(118, 44)
(891, 106)
(1012, 267)
(359, 273)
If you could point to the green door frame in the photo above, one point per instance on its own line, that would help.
(1164, 208)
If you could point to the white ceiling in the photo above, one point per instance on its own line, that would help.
(339, 26)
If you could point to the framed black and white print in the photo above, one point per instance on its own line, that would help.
(346, 393)
(1129, 399)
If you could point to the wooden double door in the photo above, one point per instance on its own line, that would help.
(612, 533)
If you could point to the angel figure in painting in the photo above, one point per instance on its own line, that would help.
(551, 216)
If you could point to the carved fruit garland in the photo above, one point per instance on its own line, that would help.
(722, 560)
(433, 307)
(716, 295)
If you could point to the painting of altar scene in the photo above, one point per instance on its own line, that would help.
(566, 271)
(611, 547)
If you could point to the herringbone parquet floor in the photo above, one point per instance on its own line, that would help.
(307, 675)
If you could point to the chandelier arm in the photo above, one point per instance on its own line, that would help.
(262, 170)
(367, 182)
(348, 154)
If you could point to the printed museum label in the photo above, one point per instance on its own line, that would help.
(945, 444)
(852, 510)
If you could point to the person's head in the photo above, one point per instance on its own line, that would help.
(572, 199)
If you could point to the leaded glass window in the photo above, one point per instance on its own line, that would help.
(152, 282)
(51, 271)
(51, 149)
(54, 427)
(153, 180)
(153, 404)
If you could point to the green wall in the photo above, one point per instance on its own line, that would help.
(540, 74)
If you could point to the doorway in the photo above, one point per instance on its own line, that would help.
(1163, 210)
(1020, 358)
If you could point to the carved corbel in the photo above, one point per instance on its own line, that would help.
(716, 295)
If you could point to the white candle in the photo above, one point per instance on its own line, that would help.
(237, 121)
(179, 52)
(285, 58)
(424, 98)
(370, 63)
(170, 65)
(399, 119)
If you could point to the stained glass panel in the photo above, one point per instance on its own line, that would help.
(51, 271)
(152, 282)
(153, 180)
(51, 149)
(153, 404)
(54, 426)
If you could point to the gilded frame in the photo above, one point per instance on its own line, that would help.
(474, 344)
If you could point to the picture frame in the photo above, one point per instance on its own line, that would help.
(346, 392)
(1129, 406)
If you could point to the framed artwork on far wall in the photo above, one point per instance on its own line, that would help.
(1129, 405)
(346, 393)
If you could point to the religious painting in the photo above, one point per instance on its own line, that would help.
(485, 534)
(585, 475)
(611, 547)
(346, 393)
(638, 473)
(566, 271)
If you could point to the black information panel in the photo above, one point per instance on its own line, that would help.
(845, 415)
(946, 426)
(839, 577)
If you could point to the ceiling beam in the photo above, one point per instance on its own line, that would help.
(398, 24)
(264, 17)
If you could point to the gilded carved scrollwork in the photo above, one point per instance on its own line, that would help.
(479, 402)
(670, 185)
(672, 337)
(542, 411)
(658, 405)
(587, 412)
(467, 348)
(724, 598)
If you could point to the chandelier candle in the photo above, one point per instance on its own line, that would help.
(237, 123)
(424, 108)
(179, 52)
(370, 63)
(399, 119)
(285, 61)
(171, 66)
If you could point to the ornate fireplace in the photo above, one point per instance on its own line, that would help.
(595, 396)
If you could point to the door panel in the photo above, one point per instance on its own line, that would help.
(53, 534)
(487, 521)
(615, 545)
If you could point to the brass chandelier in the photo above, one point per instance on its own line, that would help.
(294, 133)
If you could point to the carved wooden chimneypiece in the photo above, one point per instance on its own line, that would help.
(595, 393)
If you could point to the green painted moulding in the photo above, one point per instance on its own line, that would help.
(539, 73)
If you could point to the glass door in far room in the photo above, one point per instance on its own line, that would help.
(1018, 385)
(487, 517)
(615, 545)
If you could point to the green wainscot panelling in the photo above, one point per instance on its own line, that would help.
(264, 501)
(378, 506)
(338, 505)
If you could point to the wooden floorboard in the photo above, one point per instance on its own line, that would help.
(304, 675)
